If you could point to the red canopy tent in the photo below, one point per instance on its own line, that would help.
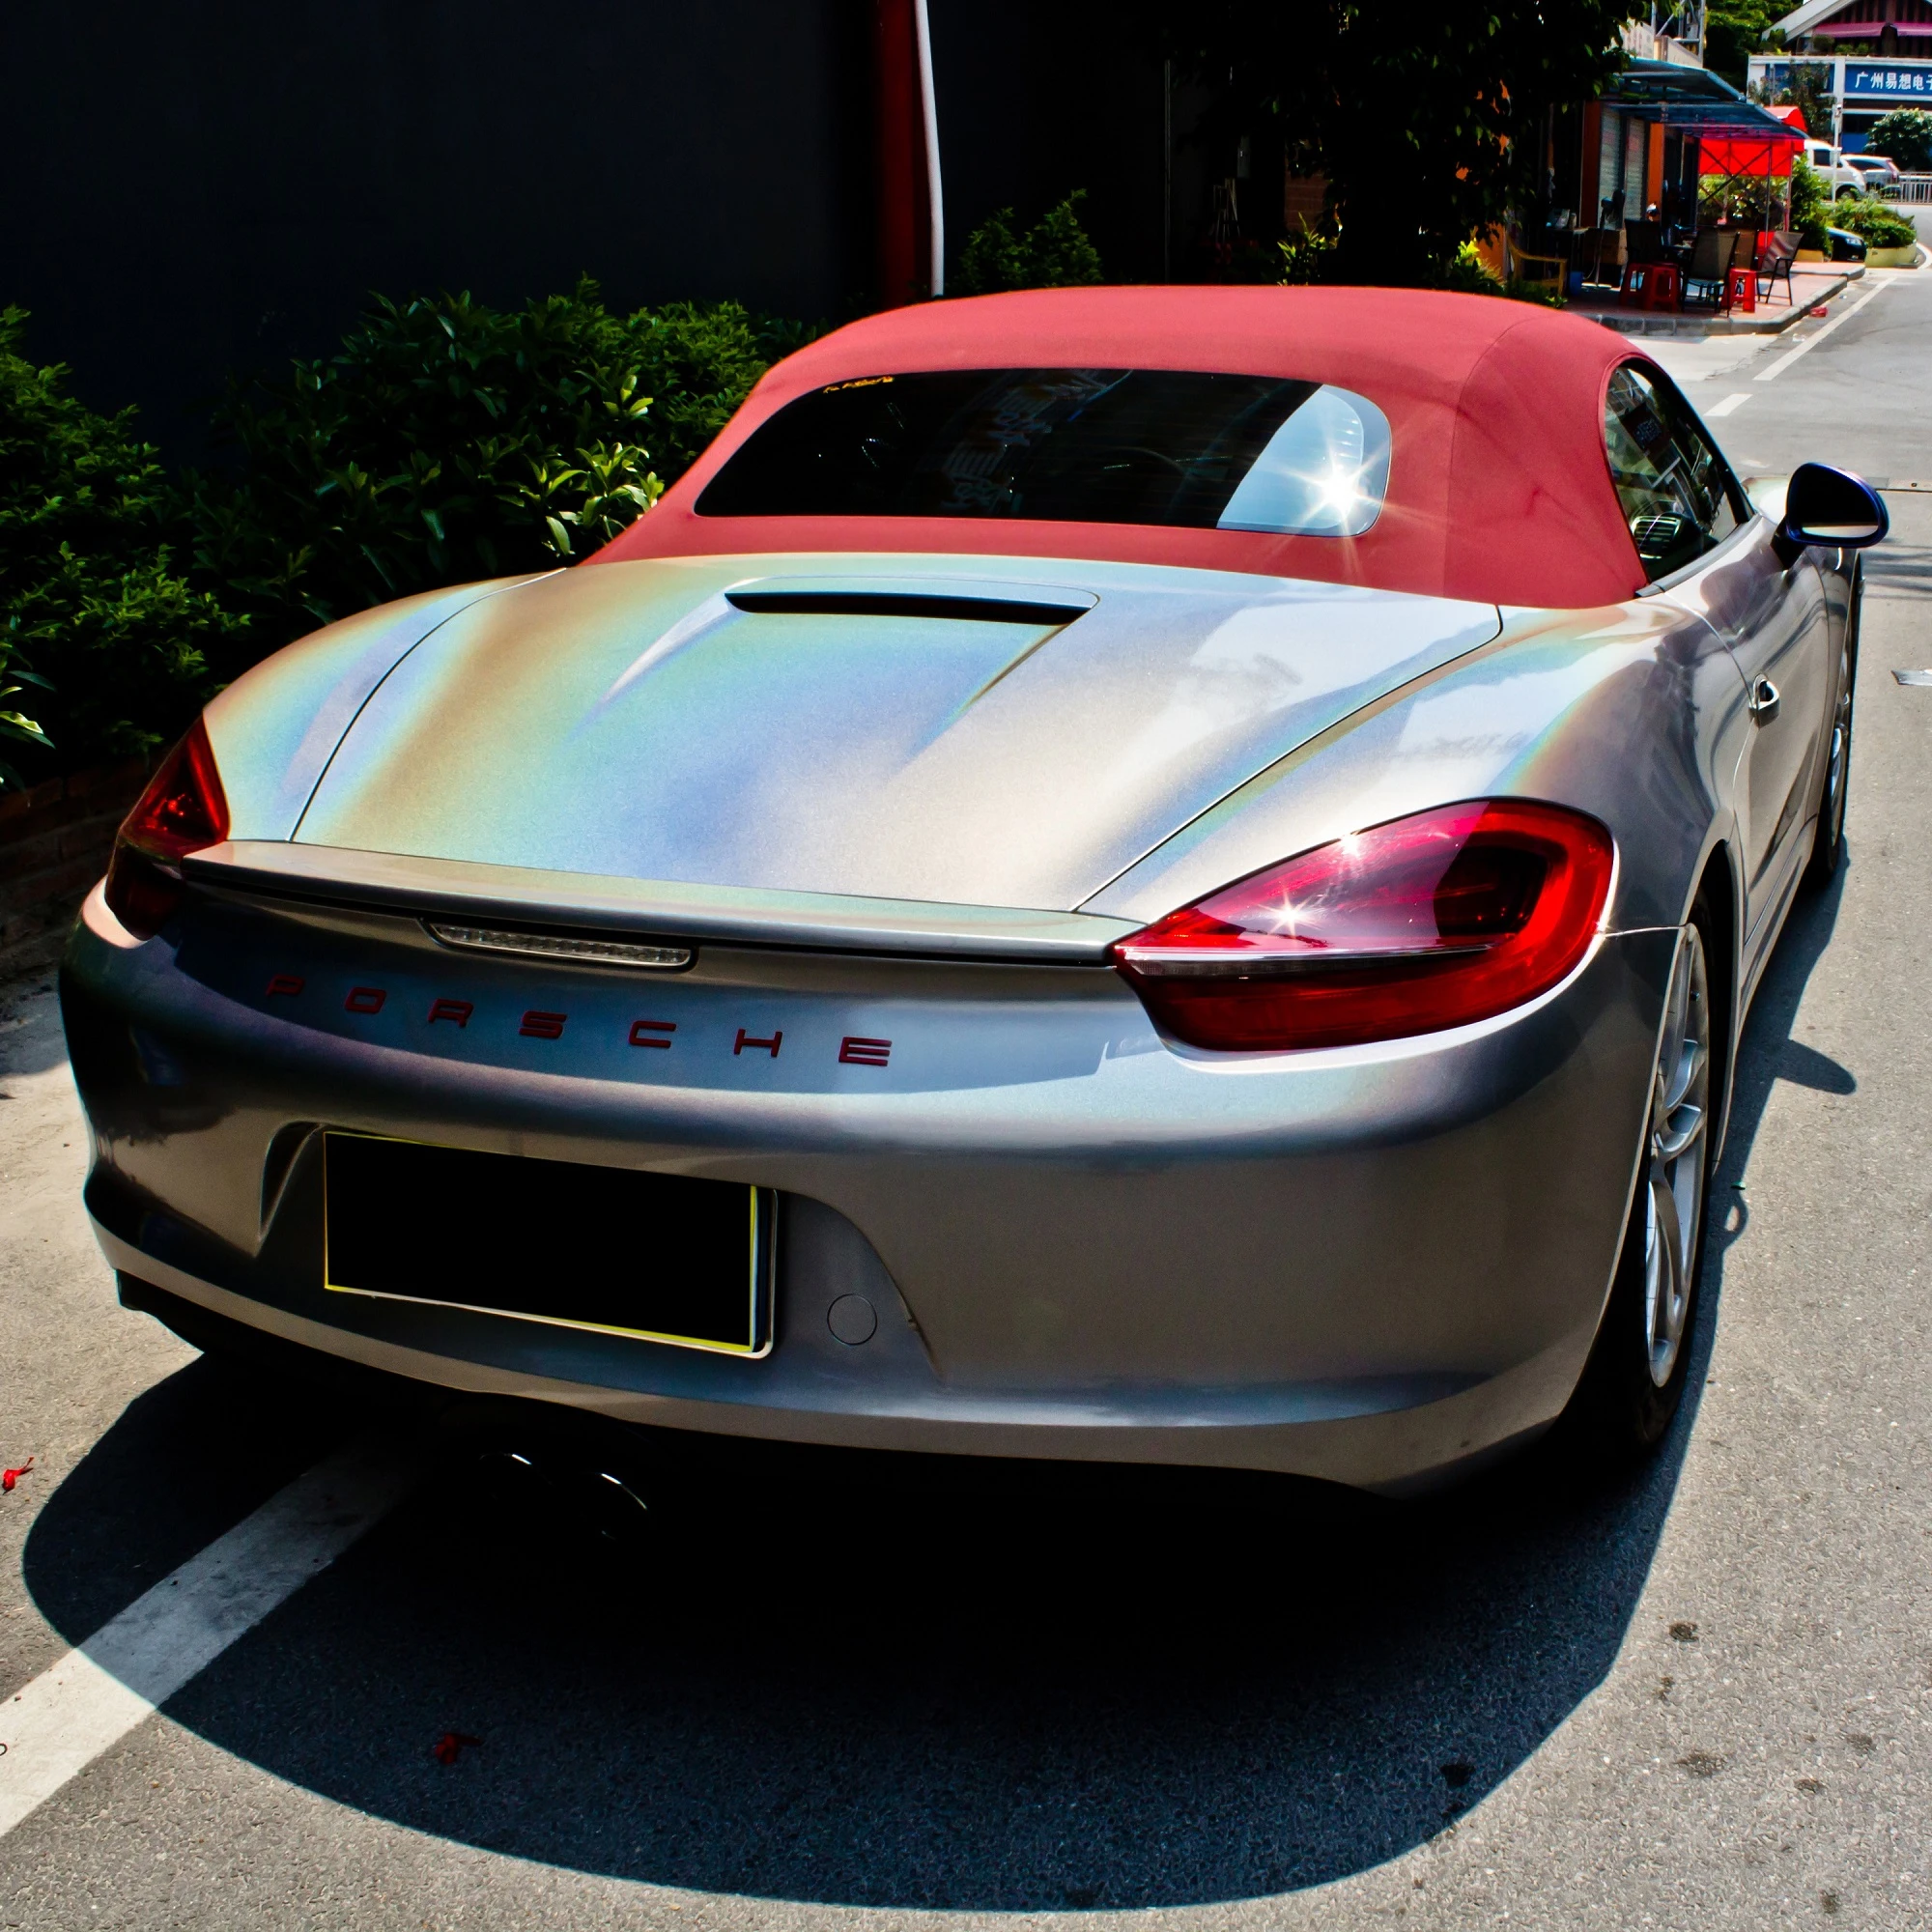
(1767, 153)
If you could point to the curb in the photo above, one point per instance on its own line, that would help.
(1696, 329)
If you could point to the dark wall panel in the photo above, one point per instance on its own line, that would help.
(1035, 100)
(195, 189)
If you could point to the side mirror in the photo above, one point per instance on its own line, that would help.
(1831, 507)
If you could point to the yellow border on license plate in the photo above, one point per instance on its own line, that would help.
(762, 1246)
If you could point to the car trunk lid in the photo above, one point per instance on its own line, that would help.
(884, 727)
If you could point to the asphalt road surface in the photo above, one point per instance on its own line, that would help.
(829, 1692)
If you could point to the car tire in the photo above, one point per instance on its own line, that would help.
(1828, 838)
(1633, 1382)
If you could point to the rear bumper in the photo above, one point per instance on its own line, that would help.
(1368, 1265)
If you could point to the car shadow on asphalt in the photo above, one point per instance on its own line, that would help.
(1769, 1054)
(914, 1682)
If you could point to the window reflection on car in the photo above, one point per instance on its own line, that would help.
(1163, 446)
(1678, 494)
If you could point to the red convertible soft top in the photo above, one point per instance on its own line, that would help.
(1499, 488)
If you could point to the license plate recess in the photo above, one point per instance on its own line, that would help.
(656, 1256)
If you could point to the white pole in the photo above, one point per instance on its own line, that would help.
(929, 110)
(1167, 171)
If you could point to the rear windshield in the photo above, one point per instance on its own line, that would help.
(1161, 447)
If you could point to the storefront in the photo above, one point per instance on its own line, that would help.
(1857, 91)
(1669, 139)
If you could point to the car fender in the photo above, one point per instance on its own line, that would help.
(1634, 713)
(276, 726)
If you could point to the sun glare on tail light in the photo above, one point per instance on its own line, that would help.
(1429, 921)
(182, 811)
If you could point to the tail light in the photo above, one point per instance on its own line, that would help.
(1429, 921)
(182, 809)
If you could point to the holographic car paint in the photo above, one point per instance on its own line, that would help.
(1368, 1263)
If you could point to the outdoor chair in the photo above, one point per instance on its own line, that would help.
(1643, 241)
(1707, 279)
(1539, 271)
(1774, 262)
(1605, 249)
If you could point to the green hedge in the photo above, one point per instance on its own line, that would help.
(1878, 222)
(448, 442)
(1054, 253)
(94, 607)
(444, 442)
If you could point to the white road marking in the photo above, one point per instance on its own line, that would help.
(1731, 402)
(1811, 342)
(97, 1694)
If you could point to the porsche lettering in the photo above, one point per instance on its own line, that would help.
(536, 1023)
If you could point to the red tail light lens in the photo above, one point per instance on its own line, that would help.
(182, 809)
(1424, 922)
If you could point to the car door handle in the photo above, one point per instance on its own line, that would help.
(1764, 701)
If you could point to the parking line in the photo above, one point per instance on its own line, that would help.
(1811, 342)
(80, 1707)
(1731, 402)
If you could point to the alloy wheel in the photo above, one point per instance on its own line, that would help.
(1833, 816)
(1675, 1158)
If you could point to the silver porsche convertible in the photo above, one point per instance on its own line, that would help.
(1160, 875)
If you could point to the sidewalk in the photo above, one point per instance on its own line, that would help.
(1811, 284)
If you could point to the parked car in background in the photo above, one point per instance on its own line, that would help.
(1836, 168)
(1877, 169)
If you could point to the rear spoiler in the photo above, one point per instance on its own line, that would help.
(583, 903)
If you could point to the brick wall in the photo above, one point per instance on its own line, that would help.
(54, 842)
(1304, 199)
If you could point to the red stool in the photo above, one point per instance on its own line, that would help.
(1663, 286)
(1641, 282)
(1741, 289)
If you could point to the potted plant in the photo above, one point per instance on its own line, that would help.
(1891, 240)
(1810, 211)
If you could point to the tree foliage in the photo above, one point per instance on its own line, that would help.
(448, 441)
(1807, 87)
(92, 609)
(1424, 115)
(1054, 253)
(1733, 30)
(1905, 136)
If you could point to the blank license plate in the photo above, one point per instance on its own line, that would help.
(655, 1255)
